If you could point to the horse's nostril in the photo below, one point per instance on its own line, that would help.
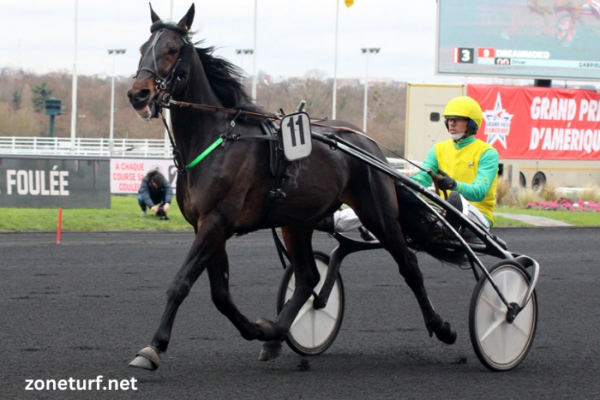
(143, 94)
(139, 96)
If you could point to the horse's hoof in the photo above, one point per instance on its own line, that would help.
(443, 330)
(270, 330)
(446, 333)
(147, 359)
(270, 350)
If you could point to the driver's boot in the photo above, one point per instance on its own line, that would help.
(326, 224)
(455, 201)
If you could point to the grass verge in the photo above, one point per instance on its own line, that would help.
(577, 218)
(124, 215)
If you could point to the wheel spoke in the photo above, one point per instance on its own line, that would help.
(494, 305)
(330, 312)
(491, 329)
(515, 287)
(523, 322)
(306, 308)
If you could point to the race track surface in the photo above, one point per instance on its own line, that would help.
(83, 308)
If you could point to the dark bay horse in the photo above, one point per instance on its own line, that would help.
(226, 193)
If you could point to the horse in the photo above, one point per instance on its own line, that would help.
(232, 190)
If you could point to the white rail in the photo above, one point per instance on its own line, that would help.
(89, 147)
(404, 167)
(101, 147)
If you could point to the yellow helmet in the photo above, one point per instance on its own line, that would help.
(464, 106)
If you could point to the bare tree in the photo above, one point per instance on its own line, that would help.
(387, 104)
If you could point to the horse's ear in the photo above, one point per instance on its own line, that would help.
(153, 14)
(186, 22)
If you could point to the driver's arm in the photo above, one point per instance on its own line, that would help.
(430, 162)
(486, 173)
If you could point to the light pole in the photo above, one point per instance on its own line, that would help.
(74, 85)
(167, 114)
(254, 77)
(114, 53)
(367, 51)
(242, 52)
(334, 100)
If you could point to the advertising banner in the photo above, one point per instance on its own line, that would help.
(539, 123)
(54, 183)
(127, 174)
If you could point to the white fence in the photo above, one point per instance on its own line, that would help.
(101, 147)
(46, 146)
(408, 169)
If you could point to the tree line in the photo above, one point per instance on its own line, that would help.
(22, 97)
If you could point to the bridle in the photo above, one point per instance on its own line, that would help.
(179, 70)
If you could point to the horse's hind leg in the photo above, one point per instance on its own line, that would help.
(409, 269)
(434, 323)
(387, 230)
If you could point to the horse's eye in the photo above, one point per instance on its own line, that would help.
(173, 51)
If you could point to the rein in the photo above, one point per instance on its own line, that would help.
(166, 101)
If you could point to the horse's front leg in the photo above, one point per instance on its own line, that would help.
(299, 247)
(210, 239)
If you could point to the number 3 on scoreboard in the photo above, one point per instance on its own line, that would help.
(463, 55)
(295, 130)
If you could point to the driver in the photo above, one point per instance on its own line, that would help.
(467, 166)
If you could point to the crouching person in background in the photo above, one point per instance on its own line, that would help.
(155, 193)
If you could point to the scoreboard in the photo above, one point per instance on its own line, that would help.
(511, 38)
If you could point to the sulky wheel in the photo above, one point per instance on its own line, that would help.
(501, 345)
(313, 331)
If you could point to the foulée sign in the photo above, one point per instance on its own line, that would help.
(539, 123)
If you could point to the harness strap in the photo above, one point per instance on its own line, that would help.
(216, 143)
(277, 116)
(274, 194)
(176, 155)
(206, 152)
(224, 110)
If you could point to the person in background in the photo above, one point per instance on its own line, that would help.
(155, 193)
(468, 167)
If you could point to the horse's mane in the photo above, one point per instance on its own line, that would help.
(158, 25)
(225, 80)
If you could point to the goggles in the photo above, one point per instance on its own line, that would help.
(456, 119)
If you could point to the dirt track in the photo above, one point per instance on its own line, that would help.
(85, 307)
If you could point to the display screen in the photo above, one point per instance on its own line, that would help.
(541, 39)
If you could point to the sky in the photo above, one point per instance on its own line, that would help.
(293, 37)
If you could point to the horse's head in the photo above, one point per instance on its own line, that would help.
(165, 60)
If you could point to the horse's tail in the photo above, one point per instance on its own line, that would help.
(422, 228)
